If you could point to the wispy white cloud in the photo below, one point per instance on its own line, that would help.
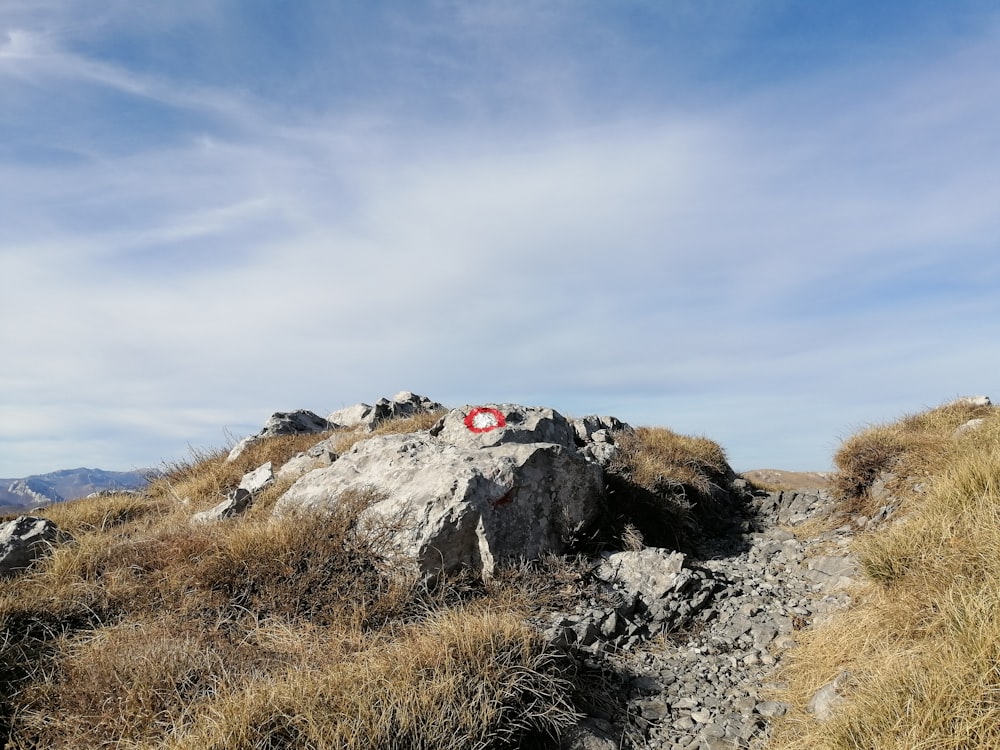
(766, 269)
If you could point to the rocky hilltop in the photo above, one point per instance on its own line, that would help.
(668, 588)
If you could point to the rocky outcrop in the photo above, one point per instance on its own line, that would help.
(638, 595)
(240, 499)
(365, 416)
(403, 404)
(485, 485)
(596, 437)
(24, 540)
(298, 422)
(320, 455)
(495, 483)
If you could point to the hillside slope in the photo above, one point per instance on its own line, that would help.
(192, 615)
(915, 662)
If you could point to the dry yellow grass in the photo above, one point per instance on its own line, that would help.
(664, 461)
(417, 423)
(663, 484)
(922, 642)
(206, 477)
(912, 449)
(150, 632)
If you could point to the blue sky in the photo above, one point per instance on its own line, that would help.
(769, 223)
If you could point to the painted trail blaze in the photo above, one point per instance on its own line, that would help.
(484, 419)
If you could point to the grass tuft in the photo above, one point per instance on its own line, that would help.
(664, 484)
(922, 641)
(910, 450)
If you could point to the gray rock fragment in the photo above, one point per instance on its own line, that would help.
(368, 416)
(826, 700)
(241, 498)
(592, 734)
(24, 540)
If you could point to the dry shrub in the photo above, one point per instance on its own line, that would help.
(912, 448)
(662, 461)
(415, 423)
(128, 682)
(315, 566)
(462, 679)
(922, 642)
(473, 677)
(102, 512)
(863, 458)
(663, 485)
(206, 477)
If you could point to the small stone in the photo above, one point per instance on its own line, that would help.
(645, 685)
(828, 697)
(771, 709)
(713, 730)
(653, 709)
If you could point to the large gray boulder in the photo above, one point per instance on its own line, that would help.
(486, 485)
(24, 540)
(476, 427)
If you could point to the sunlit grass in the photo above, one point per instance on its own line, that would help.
(922, 642)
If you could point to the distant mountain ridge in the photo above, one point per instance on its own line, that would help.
(66, 484)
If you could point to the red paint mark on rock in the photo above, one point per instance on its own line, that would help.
(505, 499)
(484, 419)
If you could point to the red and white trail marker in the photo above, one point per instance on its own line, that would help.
(484, 419)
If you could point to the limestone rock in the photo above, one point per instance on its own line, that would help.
(593, 428)
(649, 574)
(320, 455)
(832, 571)
(824, 703)
(24, 540)
(258, 479)
(972, 401)
(240, 499)
(596, 437)
(297, 422)
(475, 427)
(655, 582)
(293, 423)
(403, 404)
(350, 416)
(235, 504)
(468, 495)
